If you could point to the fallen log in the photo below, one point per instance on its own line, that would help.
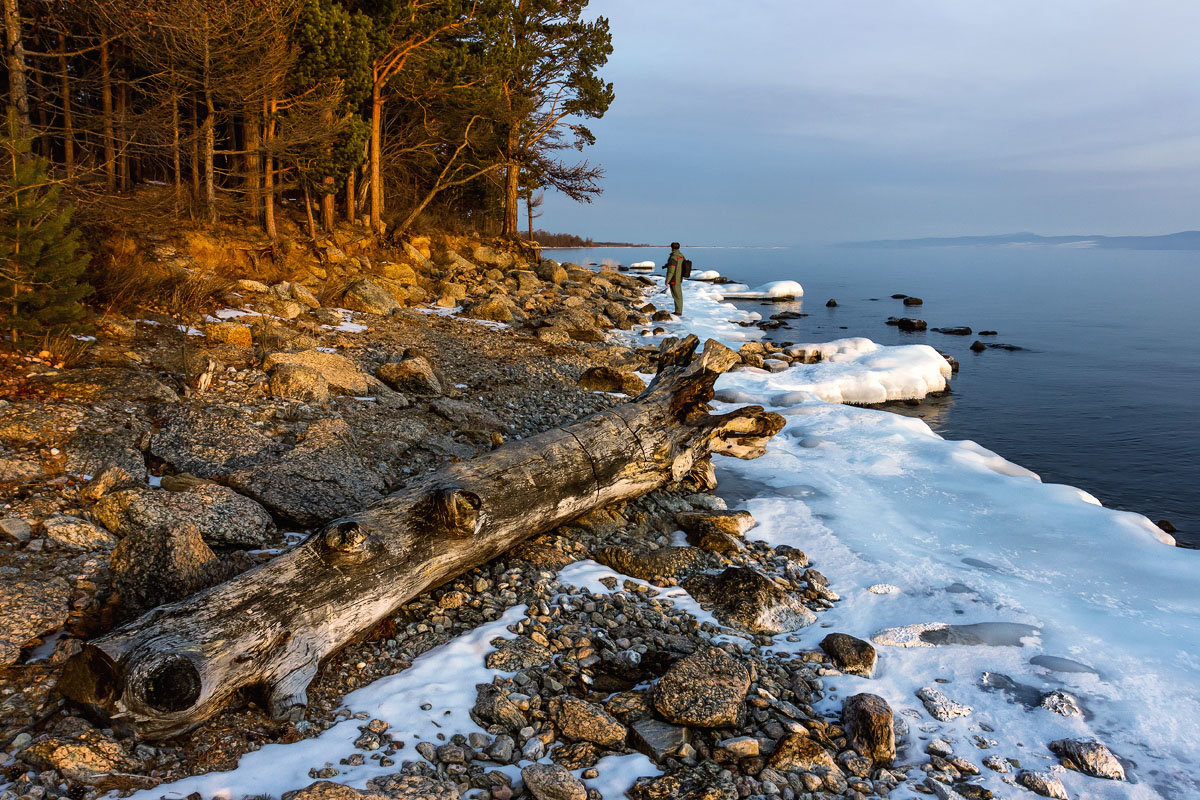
(177, 665)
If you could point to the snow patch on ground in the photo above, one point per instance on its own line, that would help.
(774, 290)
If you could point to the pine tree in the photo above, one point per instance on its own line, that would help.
(41, 265)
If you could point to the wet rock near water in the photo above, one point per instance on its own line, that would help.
(850, 654)
(750, 601)
(705, 689)
(1089, 757)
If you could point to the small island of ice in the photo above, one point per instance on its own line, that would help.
(642, 265)
(775, 290)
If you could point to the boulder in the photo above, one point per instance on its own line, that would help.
(913, 301)
(657, 739)
(704, 690)
(29, 607)
(106, 383)
(1047, 784)
(549, 270)
(411, 376)
(941, 707)
(74, 533)
(89, 758)
(577, 755)
(1089, 757)
(160, 565)
(750, 601)
(978, 346)
(870, 727)
(338, 371)
(467, 417)
(910, 325)
(732, 522)
(797, 752)
(491, 257)
(320, 479)
(612, 379)
(704, 782)
(527, 281)
(831, 303)
(552, 782)
(15, 529)
(298, 382)
(114, 477)
(208, 441)
(367, 296)
(304, 296)
(401, 273)
(328, 790)
(233, 333)
(248, 285)
(494, 309)
(493, 706)
(653, 565)
(220, 515)
(956, 331)
(850, 654)
(581, 721)
(518, 653)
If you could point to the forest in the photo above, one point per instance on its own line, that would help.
(459, 111)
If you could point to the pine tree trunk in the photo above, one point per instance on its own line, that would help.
(269, 170)
(312, 224)
(18, 92)
(195, 162)
(123, 135)
(176, 666)
(68, 124)
(250, 135)
(350, 210)
(512, 177)
(176, 156)
(376, 155)
(106, 106)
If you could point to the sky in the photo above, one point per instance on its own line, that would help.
(810, 121)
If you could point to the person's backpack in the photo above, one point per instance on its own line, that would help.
(686, 269)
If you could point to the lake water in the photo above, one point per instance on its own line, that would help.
(1105, 394)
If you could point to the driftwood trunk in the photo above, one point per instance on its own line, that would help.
(176, 666)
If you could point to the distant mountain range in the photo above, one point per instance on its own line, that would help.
(1184, 240)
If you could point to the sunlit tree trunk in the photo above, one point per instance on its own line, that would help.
(68, 136)
(106, 105)
(18, 92)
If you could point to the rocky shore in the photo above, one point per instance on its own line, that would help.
(635, 641)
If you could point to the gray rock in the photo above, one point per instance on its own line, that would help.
(339, 372)
(467, 416)
(704, 782)
(552, 782)
(582, 721)
(411, 376)
(869, 727)
(159, 565)
(74, 533)
(30, 607)
(93, 453)
(211, 441)
(657, 739)
(665, 562)
(90, 759)
(222, 516)
(612, 379)
(797, 752)
(298, 382)
(1061, 703)
(1089, 757)
(705, 690)
(519, 653)
(494, 309)
(493, 706)
(850, 654)
(408, 787)
(747, 599)
(320, 479)
(367, 296)
(941, 707)
(549, 270)
(501, 751)
(15, 529)
(106, 383)
(1044, 783)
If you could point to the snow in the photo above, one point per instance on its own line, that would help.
(232, 313)
(706, 275)
(775, 290)
(642, 265)
(855, 371)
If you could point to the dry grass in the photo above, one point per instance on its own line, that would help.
(63, 351)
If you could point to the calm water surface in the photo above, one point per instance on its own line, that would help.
(1106, 393)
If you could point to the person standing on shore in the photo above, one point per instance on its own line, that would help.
(675, 277)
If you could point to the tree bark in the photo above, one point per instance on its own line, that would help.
(376, 155)
(18, 92)
(106, 104)
(68, 121)
(195, 153)
(176, 163)
(175, 667)
(123, 135)
(269, 170)
(250, 135)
